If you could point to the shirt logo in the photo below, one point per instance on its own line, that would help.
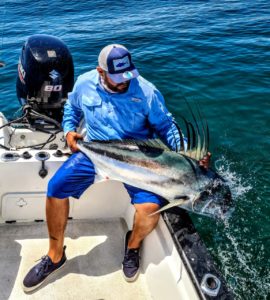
(121, 63)
(136, 99)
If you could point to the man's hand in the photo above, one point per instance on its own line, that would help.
(72, 138)
(205, 161)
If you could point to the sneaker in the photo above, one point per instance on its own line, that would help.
(40, 272)
(131, 262)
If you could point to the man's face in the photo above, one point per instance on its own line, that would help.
(116, 87)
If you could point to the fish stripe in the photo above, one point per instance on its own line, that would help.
(119, 157)
(153, 143)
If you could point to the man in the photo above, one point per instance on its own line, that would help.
(116, 103)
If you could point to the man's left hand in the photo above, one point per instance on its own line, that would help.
(205, 161)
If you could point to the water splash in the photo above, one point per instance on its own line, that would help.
(240, 246)
(249, 281)
(238, 186)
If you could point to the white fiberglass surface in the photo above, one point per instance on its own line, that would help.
(93, 270)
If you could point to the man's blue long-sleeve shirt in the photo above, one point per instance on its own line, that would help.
(138, 113)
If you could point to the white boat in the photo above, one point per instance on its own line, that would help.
(174, 261)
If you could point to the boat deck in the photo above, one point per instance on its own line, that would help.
(94, 251)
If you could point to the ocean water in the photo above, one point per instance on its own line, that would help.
(215, 53)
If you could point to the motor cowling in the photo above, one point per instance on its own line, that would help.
(45, 75)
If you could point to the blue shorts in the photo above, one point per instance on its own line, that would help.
(78, 173)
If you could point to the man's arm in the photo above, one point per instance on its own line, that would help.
(163, 122)
(71, 119)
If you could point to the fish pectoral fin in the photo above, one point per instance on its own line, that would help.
(172, 204)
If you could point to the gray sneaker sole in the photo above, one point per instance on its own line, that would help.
(129, 279)
(32, 288)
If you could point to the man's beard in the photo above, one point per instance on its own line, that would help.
(119, 88)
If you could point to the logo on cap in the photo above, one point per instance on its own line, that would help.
(121, 63)
(128, 75)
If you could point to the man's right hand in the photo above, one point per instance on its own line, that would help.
(72, 137)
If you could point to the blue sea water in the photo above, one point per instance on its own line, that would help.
(216, 53)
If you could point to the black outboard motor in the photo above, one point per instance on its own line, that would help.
(45, 76)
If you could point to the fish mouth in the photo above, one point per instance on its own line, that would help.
(215, 200)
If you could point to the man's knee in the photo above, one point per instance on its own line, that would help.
(146, 208)
(54, 200)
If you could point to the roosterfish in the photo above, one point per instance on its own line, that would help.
(174, 175)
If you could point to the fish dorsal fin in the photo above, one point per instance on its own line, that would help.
(197, 132)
